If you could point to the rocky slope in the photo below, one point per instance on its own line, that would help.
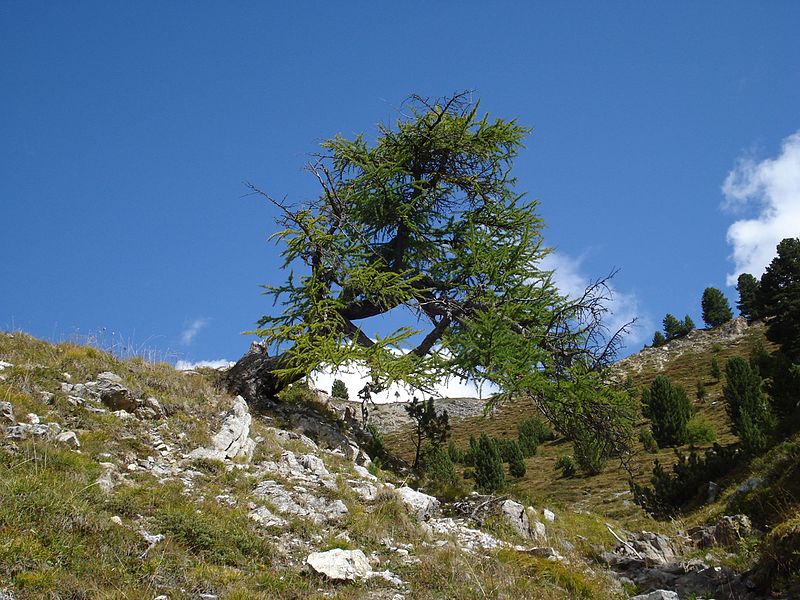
(123, 479)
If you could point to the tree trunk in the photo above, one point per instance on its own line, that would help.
(253, 376)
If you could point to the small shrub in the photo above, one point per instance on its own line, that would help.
(532, 431)
(566, 464)
(376, 446)
(649, 443)
(456, 454)
(716, 371)
(689, 478)
(700, 431)
(439, 474)
(590, 451)
(701, 391)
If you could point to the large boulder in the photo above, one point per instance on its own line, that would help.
(422, 506)
(112, 393)
(340, 565)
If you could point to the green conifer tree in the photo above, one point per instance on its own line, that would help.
(749, 304)
(716, 309)
(516, 462)
(747, 405)
(668, 408)
(489, 475)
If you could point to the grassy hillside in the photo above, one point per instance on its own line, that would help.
(181, 527)
(685, 362)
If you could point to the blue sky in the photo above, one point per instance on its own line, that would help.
(129, 128)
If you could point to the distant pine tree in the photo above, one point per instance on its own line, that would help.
(672, 326)
(489, 476)
(658, 339)
(716, 309)
(668, 408)
(747, 404)
(516, 462)
(687, 326)
(339, 389)
(749, 304)
(779, 292)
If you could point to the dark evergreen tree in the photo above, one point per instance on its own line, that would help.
(749, 304)
(658, 339)
(516, 462)
(779, 293)
(687, 326)
(716, 309)
(672, 327)
(716, 371)
(339, 389)
(429, 426)
(489, 475)
(531, 432)
(456, 454)
(784, 388)
(668, 408)
(747, 405)
(440, 475)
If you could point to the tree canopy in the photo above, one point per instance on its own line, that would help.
(426, 223)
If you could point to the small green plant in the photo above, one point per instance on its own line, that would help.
(532, 431)
(670, 492)
(701, 392)
(566, 464)
(716, 371)
(439, 475)
(700, 431)
(456, 454)
(516, 462)
(649, 443)
(430, 427)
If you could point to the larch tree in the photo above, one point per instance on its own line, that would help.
(426, 223)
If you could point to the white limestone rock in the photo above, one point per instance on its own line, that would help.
(422, 506)
(233, 439)
(340, 565)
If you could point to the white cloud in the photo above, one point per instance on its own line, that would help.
(185, 365)
(356, 376)
(188, 334)
(772, 187)
(622, 307)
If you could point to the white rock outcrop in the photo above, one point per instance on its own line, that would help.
(233, 439)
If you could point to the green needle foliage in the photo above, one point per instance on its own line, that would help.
(749, 304)
(425, 222)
